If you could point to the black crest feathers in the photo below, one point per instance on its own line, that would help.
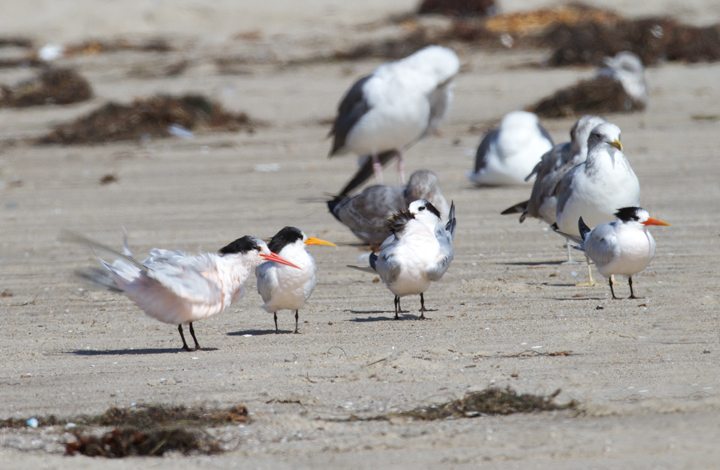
(626, 214)
(241, 245)
(396, 223)
(284, 237)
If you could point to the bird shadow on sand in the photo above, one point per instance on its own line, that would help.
(404, 315)
(135, 352)
(597, 299)
(256, 332)
(533, 263)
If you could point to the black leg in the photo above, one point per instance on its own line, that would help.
(276, 328)
(185, 346)
(192, 333)
(296, 321)
(611, 288)
(422, 307)
(632, 294)
(397, 307)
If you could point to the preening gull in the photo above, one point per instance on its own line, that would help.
(597, 188)
(418, 252)
(396, 106)
(175, 287)
(366, 214)
(508, 154)
(282, 287)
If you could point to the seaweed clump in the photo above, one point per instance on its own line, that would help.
(458, 7)
(600, 95)
(493, 401)
(51, 86)
(148, 117)
(127, 442)
(653, 39)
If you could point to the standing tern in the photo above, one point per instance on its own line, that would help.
(283, 288)
(508, 154)
(553, 166)
(366, 214)
(597, 188)
(175, 287)
(621, 247)
(396, 106)
(418, 252)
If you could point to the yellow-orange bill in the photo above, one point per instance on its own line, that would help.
(278, 259)
(650, 221)
(616, 143)
(317, 241)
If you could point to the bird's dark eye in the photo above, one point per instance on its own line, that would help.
(422, 208)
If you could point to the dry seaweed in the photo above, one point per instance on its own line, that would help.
(652, 39)
(51, 86)
(599, 95)
(16, 41)
(147, 117)
(493, 401)
(527, 23)
(396, 48)
(143, 442)
(145, 416)
(457, 7)
(97, 46)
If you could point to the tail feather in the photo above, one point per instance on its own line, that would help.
(332, 204)
(567, 236)
(583, 229)
(450, 226)
(519, 208)
(99, 277)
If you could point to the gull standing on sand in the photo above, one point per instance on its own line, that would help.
(175, 287)
(624, 247)
(366, 214)
(597, 188)
(508, 154)
(399, 104)
(283, 288)
(553, 166)
(418, 252)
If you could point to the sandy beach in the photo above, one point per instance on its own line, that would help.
(646, 372)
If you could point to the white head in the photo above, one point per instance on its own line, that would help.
(580, 132)
(605, 135)
(439, 62)
(424, 212)
(518, 120)
(624, 61)
(423, 184)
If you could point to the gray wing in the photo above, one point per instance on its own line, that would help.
(184, 275)
(366, 214)
(483, 149)
(266, 274)
(601, 244)
(436, 270)
(549, 171)
(351, 109)
(562, 189)
(387, 267)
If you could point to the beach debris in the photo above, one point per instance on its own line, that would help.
(98, 46)
(109, 178)
(142, 416)
(151, 117)
(50, 52)
(51, 86)
(143, 442)
(32, 422)
(16, 41)
(654, 40)
(492, 401)
(458, 7)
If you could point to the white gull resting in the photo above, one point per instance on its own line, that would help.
(175, 287)
(597, 188)
(282, 287)
(418, 252)
(508, 154)
(624, 247)
(399, 104)
(553, 166)
(627, 68)
(366, 214)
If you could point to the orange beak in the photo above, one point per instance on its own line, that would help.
(317, 241)
(650, 221)
(278, 259)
